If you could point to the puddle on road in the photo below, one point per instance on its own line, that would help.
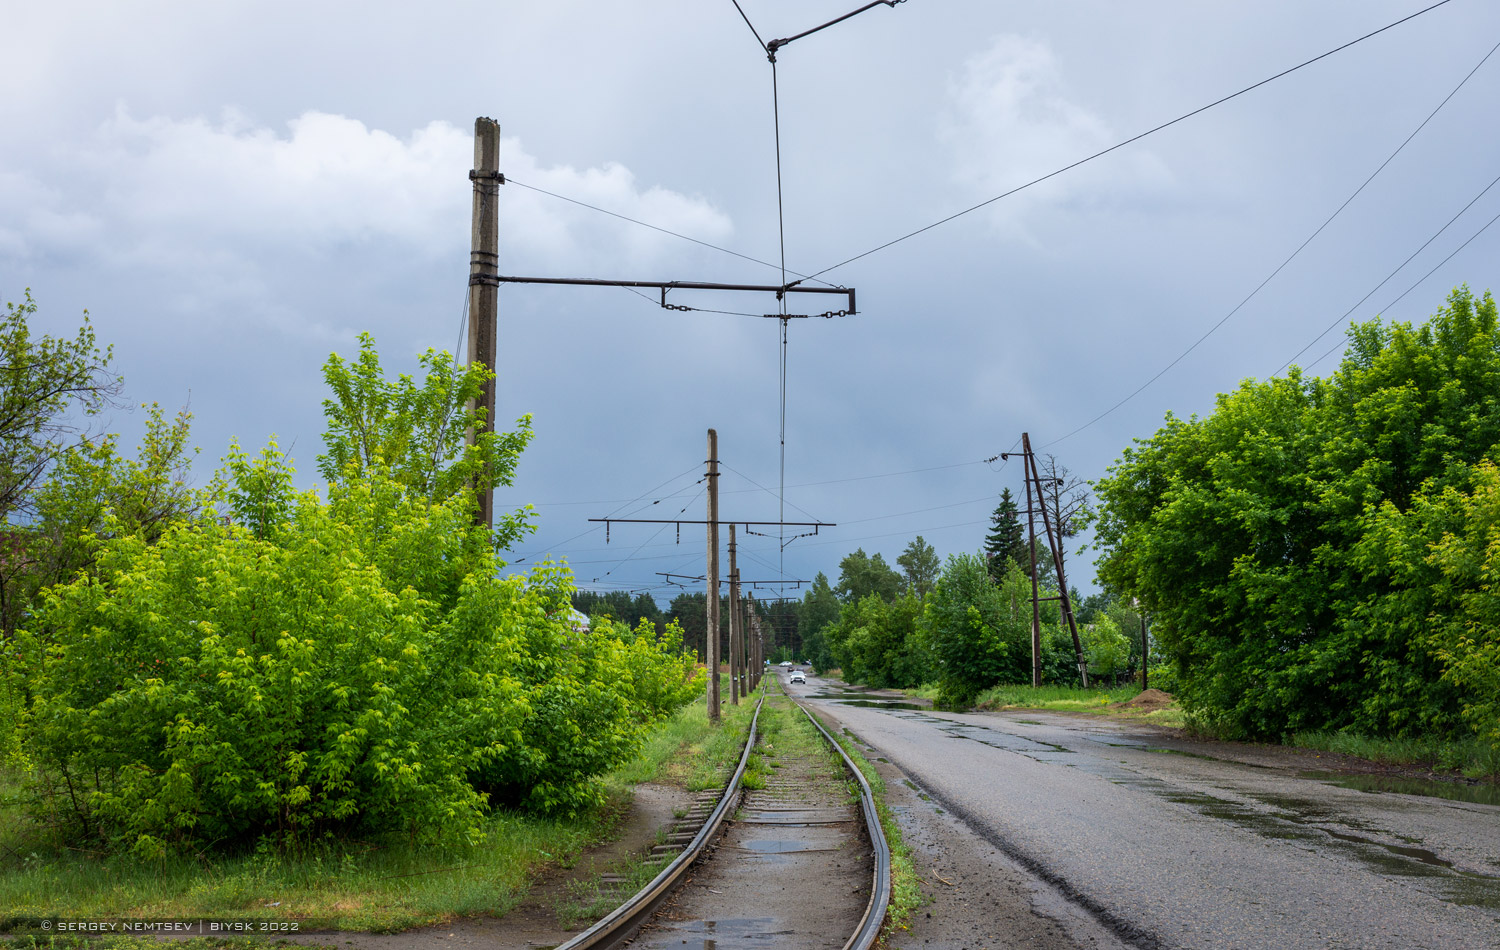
(1432, 788)
(878, 704)
(1305, 821)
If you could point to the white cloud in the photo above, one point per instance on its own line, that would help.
(1009, 120)
(157, 190)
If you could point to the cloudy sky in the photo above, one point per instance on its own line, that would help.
(234, 190)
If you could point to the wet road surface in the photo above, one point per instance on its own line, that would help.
(1172, 849)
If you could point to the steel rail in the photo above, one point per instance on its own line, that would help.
(634, 911)
(880, 891)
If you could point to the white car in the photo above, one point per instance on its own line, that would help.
(797, 677)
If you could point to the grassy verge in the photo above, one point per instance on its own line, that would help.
(906, 891)
(1099, 702)
(349, 885)
(687, 752)
(1472, 758)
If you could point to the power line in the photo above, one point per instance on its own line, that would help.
(1291, 257)
(918, 511)
(768, 491)
(1132, 139)
(1419, 250)
(741, 491)
(1391, 276)
(894, 534)
(654, 227)
(1414, 286)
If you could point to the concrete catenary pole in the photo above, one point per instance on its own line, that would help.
(736, 660)
(484, 285)
(711, 646)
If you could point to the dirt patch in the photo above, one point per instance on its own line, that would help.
(1148, 700)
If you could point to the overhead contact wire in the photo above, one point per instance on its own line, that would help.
(1132, 139)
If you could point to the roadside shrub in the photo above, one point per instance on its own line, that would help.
(591, 697)
(352, 667)
(217, 686)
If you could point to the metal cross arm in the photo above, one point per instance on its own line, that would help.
(747, 524)
(700, 578)
(780, 290)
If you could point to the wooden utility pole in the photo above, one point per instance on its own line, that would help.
(757, 659)
(1145, 647)
(747, 647)
(1036, 605)
(484, 286)
(1054, 541)
(712, 646)
(736, 661)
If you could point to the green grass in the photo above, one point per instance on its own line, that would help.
(1473, 758)
(350, 885)
(1053, 697)
(906, 890)
(347, 885)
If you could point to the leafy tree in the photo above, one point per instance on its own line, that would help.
(1107, 648)
(48, 386)
(874, 641)
(42, 383)
(963, 618)
(820, 609)
(919, 566)
(421, 434)
(1006, 542)
(618, 605)
(861, 575)
(1466, 620)
(785, 629)
(1282, 544)
(90, 492)
(689, 610)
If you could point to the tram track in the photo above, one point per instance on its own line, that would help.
(790, 858)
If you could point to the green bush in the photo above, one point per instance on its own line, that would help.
(217, 686)
(1290, 546)
(345, 673)
(305, 668)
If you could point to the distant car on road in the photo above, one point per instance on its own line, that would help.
(797, 677)
(785, 663)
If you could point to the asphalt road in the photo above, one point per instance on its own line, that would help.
(1175, 848)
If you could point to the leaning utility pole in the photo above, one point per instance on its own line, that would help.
(736, 662)
(484, 287)
(1054, 541)
(712, 646)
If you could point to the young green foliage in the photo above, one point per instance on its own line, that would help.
(425, 435)
(349, 666)
(1284, 546)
